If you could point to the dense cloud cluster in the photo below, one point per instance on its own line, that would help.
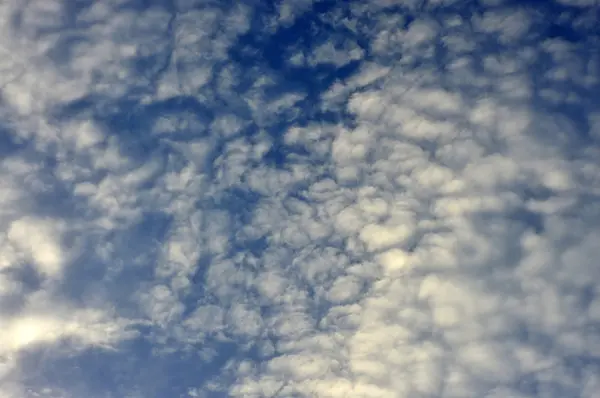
(299, 199)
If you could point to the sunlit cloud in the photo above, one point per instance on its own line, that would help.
(299, 199)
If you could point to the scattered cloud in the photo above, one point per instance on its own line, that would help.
(399, 203)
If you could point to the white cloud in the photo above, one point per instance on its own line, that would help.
(387, 254)
(244, 321)
(45, 71)
(38, 240)
(345, 289)
(161, 305)
(45, 321)
(289, 10)
(509, 24)
(88, 327)
(338, 55)
(475, 170)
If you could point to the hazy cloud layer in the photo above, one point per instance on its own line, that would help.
(298, 199)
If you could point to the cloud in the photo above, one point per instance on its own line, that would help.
(405, 207)
(36, 240)
(87, 327)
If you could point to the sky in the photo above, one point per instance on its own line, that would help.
(299, 198)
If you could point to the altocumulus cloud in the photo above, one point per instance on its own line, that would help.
(299, 199)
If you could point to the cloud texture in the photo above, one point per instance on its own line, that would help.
(299, 199)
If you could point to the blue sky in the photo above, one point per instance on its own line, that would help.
(393, 198)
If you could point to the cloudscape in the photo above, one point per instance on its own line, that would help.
(299, 198)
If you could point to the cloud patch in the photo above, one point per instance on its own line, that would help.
(403, 208)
